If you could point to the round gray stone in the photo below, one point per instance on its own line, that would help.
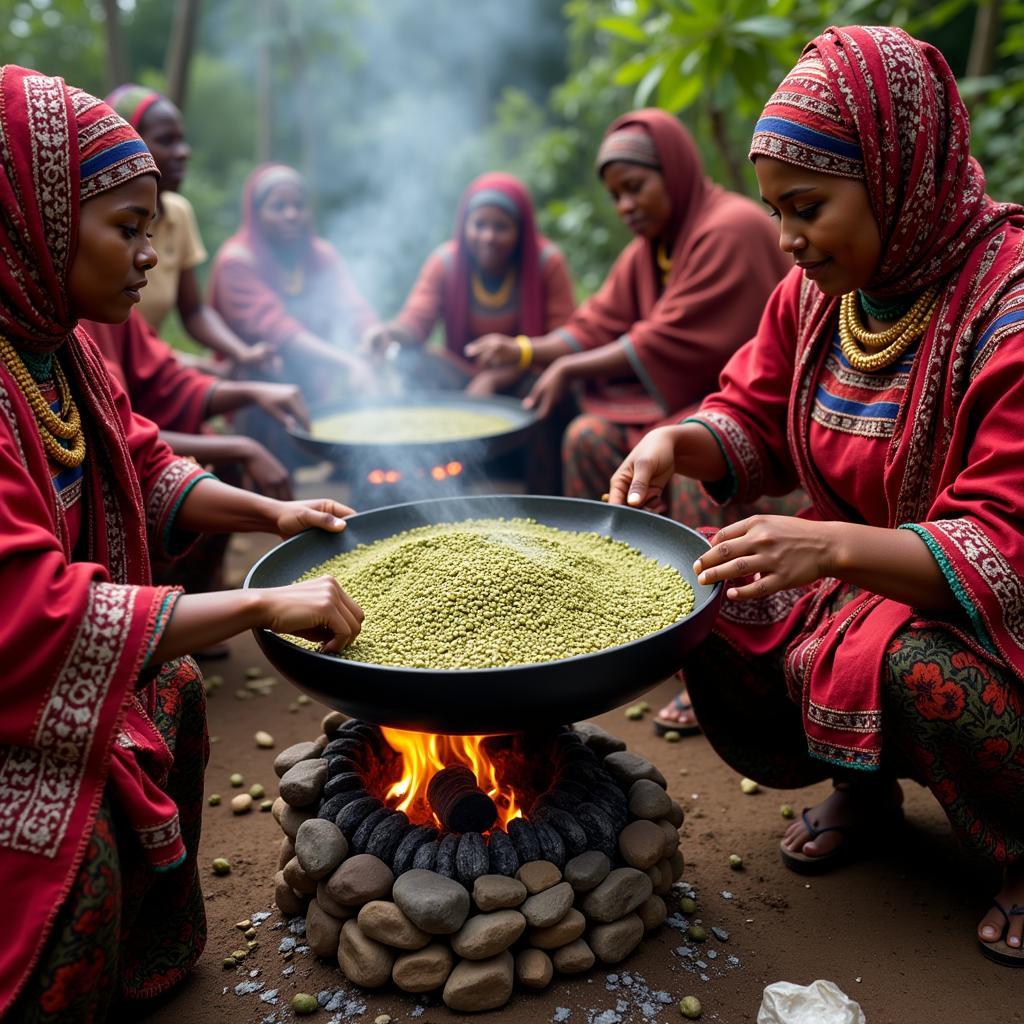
(627, 768)
(425, 970)
(291, 756)
(320, 847)
(362, 960)
(648, 800)
(619, 894)
(477, 985)
(437, 904)
(360, 879)
(487, 935)
(548, 907)
(498, 892)
(587, 871)
(384, 922)
(303, 783)
(615, 941)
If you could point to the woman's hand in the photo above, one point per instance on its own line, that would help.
(494, 350)
(376, 340)
(315, 610)
(549, 389)
(256, 355)
(779, 552)
(292, 517)
(491, 382)
(646, 470)
(282, 401)
(268, 476)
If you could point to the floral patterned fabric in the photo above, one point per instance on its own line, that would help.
(126, 933)
(953, 720)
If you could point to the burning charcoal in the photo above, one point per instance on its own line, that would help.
(470, 858)
(361, 836)
(599, 828)
(575, 755)
(346, 782)
(575, 791)
(554, 799)
(551, 845)
(573, 836)
(410, 845)
(502, 854)
(618, 816)
(339, 801)
(598, 740)
(374, 737)
(524, 839)
(350, 817)
(387, 835)
(459, 803)
(446, 850)
(426, 856)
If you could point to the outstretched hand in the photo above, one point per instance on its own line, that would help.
(548, 391)
(777, 552)
(645, 471)
(293, 517)
(317, 610)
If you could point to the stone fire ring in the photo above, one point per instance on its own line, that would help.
(580, 879)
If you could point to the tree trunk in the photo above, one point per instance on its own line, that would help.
(118, 71)
(733, 169)
(983, 41)
(180, 49)
(264, 85)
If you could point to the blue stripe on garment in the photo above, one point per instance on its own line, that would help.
(808, 136)
(109, 157)
(1017, 316)
(864, 410)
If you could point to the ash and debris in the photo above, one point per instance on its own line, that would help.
(635, 1001)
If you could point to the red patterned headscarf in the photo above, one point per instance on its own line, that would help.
(60, 147)
(511, 195)
(877, 104)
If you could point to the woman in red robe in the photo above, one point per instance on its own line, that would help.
(680, 299)
(497, 275)
(102, 731)
(878, 634)
(275, 282)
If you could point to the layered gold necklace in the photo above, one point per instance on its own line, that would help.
(493, 300)
(53, 427)
(872, 350)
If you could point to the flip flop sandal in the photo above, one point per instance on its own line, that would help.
(664, 725)
(855, 839)
(998, 950)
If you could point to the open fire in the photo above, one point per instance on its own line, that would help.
(379, 477)
(424, 755)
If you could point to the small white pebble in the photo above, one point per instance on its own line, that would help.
(264, 740)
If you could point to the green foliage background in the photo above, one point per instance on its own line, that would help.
(359, 90)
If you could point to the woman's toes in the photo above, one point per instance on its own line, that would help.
(991, 926)
(1015, 932)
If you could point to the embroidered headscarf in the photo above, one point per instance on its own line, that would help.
(875, 103)
(509, 194)
(132, 101)
(632, 144)
(949, 473)
(60, 147)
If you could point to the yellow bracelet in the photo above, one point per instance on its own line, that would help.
(525, 351)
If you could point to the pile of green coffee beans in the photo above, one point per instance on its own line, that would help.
(409, 425)
(484, 593)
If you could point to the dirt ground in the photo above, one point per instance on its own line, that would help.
(895, 933)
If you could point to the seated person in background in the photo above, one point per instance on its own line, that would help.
(684, 295)
(496, 276)
(275, 281)
(172, 282)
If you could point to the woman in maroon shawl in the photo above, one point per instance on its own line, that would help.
(681, 298)
(497, 276)
(102, 730)
(275, 281)
(880, 633)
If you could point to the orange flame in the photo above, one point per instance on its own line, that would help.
(438, 473)
(425, 754)
(453, 468)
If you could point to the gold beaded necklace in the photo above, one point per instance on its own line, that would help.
(496, 299)
(66, 425)
(871, 350)
(664, 261)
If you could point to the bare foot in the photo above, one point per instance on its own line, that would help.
(993, 924)
(679, 711)
(848, 806)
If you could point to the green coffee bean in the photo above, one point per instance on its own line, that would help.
(696, 933)
(672, 736)
(214, 800)
(749, 786)
(786, 810)
(414, 424)
(735, 862)
(634, 714)
(256, 791)
(687, 905)
(236, 779)
(689, 1007)
(494, 592)
(303, 1003)
(221, 866)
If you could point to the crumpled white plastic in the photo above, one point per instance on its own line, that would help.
(821, 1002)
